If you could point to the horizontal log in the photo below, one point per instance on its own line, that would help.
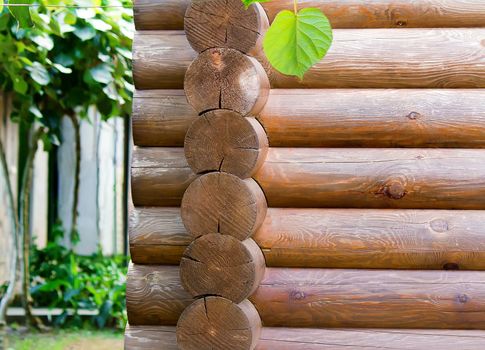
(273, 338)
(320, 298)
(169, 14)
(358, 58)
(336, 178)
(333, 118)
(333, 238)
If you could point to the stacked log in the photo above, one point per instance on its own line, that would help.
(344, 210)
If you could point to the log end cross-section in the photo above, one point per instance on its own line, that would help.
(223, 203)
(225, 23)
(215, 264)
(215, 323)
(226, 79)
(223, 140)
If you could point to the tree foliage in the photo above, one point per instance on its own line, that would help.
(69, 60)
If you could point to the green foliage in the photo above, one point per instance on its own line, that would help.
(21, 13)
(62, 279)
(70, 60)
(296, 40)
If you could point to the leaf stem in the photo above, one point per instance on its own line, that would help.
(295, 6)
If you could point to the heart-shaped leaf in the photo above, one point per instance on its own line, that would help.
(295, 42)
(21, 13)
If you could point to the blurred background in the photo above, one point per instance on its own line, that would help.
(65, 100)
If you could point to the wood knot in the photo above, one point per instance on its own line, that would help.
(395, 190)
(462, 298)
(414, 116)
(439, 225)
(451, 266)
(401, 23)
(297, 295)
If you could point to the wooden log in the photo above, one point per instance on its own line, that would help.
(319, 298)
(225, 23)
(333, 238)
(160, 180)
(215, 264)
(272, 338)
(346, 178)
(226, 79)
(223, 140)
(358, 58)
(334, 118)
(223, 203)
(215, 323)
(155, 296)
(169, 14)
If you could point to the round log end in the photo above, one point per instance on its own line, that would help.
(226, 79)
(215, 323)
(223, 140)
(225, 23)
(223, 203)
(220, 265)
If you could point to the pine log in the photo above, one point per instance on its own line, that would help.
(223, 140)
(216, 264)
(333, 238)
(339, 178)
(215, 323)
(223, 203)
(337, 298)
(156, 337)
(226, 79)
(333, 118)
(225, 23)
(169, 14)
(358, 58)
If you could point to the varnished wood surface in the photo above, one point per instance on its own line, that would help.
(320, 298)
(333, 118)
(156, 337)
(358, 58)
(334, 178)
(335, 238)
(169, 14)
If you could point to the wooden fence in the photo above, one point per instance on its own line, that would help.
(344, 210)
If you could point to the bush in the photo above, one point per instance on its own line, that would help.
(62, 279)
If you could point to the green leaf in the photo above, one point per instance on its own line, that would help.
(21, 13)
(39, 74)
(294, 43)
(101, 73)
(85, 33)
(247, 3)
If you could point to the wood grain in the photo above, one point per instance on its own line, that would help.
(276, 338)
(319, 298)
(225, 23)
(334, 238)
(169, 14)
(215, 323)
(221, 265)
(334, 118)
(226, 79)
(358, 58)
(223, 203)
(339, 178)
(223, 140)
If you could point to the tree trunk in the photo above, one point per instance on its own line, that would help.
(24, 212)
(74, 236)
(13, 266)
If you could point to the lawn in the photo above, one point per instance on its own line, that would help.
(67, 340)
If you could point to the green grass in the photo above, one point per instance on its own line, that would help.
(66, 340)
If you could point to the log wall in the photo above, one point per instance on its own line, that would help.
(343, 210)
